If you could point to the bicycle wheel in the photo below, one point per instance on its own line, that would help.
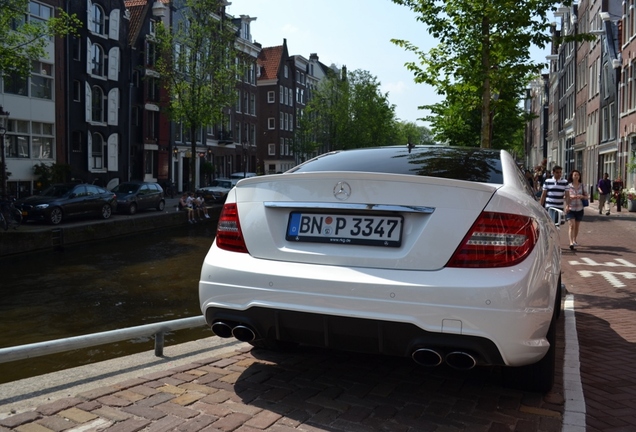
(16, 215)
(3, 221)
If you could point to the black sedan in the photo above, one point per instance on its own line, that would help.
(133, 196)
(62, 201)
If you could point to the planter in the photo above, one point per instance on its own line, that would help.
(631, 205)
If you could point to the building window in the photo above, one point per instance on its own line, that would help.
(271, 98)
(271, 123)
(282, 120)
(97, 152)
(17, 139)
(76, 48)
(151, 53)
(97, 108)
(271, 149)
(97, 60)
(15, 84)
(281, 95)
(286, 71)
(77, 90)
(238, 101)
(41, 80)
(252, 104)
(42, 140)
(76, 144)
(97, 20)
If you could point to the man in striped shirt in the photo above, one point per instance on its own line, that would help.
(554, 190)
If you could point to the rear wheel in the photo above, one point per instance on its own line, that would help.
(132, 209)
(56, 216)
(106, 211)
(161, 205)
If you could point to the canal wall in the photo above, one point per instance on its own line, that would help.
(37, 236)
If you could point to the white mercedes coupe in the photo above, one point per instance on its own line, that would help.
(437, 253)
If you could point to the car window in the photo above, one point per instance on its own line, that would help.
(470, 164)
(94, 190)
(126, 188)
(56, 191)
(80, 191)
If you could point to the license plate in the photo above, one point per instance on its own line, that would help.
(345, 229)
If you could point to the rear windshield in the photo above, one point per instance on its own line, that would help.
(459, 163)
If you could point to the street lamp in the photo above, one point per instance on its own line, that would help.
(4, 117)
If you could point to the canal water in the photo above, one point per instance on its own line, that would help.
(108, 285)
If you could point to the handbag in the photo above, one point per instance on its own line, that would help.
(585, 202)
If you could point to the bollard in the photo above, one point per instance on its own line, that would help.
(159, 344)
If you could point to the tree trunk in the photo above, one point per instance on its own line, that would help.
(193, 158)
(485, 97)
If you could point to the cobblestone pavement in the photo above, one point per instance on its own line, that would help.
(601, 276)
(248, 390)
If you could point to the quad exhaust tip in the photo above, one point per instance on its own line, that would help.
(239, 331)
(430, 357)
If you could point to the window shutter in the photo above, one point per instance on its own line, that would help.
(113, 27)
(89, 20)
(89, 151)
(89, 100)
(113, 151)
(89, 60)
(113, 64)
(113, 107)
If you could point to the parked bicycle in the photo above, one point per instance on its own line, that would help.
(169, 189)
(10, 216)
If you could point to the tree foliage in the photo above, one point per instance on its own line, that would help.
(481, 65)
(411, 133)
(347, 110)
(22, 42)
(197, 64)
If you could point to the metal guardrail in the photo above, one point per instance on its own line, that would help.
(157, 330)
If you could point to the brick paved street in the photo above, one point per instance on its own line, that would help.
(601, 275)
(245, 390)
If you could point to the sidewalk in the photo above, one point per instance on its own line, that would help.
(601, 276)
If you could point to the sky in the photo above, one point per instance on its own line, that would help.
(352, 33)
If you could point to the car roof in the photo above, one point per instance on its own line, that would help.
(460, 163)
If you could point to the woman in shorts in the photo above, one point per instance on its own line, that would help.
(575, 193)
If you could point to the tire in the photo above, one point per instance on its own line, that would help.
(161, 205)
(106, 211)
(131, 210)
(16, 215)
(56, 216)
(538, 377)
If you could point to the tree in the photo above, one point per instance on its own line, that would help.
(197, 64)
(411, 133)
(23, 42)
(347, 110)
(482, 64)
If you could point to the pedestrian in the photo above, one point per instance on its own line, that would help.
(192, 204)
(531, 183)
(202, 208)
(604, 187)
(187, 207)
(574, 205)
(554, 192)
(617, 188)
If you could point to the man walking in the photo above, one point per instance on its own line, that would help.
(604, 187)
(554, 190)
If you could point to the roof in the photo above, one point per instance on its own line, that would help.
(136, 8)
(269, 60)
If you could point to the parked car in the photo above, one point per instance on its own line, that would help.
(437, 253)
(61, 201)
(134, 196)
(217, 191)
(241, 175)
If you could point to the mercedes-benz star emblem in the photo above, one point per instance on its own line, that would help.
(342, 191)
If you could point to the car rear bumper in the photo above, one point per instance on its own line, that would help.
(501, 316)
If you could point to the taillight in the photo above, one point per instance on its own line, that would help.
(496, 240)
(228, 231)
